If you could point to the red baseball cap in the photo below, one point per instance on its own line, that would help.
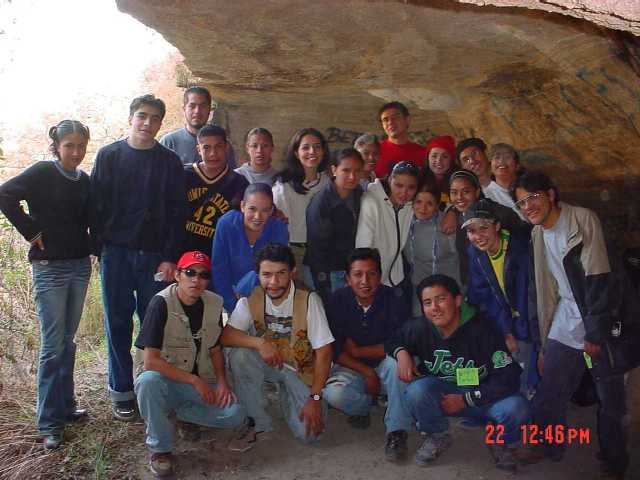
(188, 259)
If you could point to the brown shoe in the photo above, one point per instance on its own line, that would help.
(161, 464)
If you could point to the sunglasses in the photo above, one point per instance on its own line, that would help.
(190, 272)
(522, 203)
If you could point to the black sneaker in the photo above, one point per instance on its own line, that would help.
(395, 448)
(124, 411)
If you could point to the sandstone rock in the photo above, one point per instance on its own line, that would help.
(562, 90)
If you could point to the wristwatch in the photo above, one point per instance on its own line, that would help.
(316, 396)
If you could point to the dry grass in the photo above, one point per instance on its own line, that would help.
(98, 447)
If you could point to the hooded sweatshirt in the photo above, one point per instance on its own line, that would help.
(474, 344)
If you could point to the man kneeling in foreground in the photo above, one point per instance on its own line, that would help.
(182, 358)
(464, 370)
(282, 335)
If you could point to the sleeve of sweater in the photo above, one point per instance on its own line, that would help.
(221, 262)
(598, 280)
(281, 233)
(404, 338)
(367, 222)
(279, 199)
(503, 373)
(17, 189)
(532, 303)
(398, 315)
(319, 236)
(177, 211)
(99, 193)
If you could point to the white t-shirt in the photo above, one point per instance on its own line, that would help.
(318, 331)
(294, 205)
(502, 196)
(567, 327)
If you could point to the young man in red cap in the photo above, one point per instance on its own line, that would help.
(394, 118)
(183, 362)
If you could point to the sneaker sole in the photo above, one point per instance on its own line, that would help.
(125, 418)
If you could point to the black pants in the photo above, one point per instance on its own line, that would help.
(563, 369)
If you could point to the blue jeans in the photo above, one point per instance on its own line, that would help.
(563, 369)
(124, 272)
(59, 288)
(345, 391)
(249, 374)
(423, 398)
(158, 397)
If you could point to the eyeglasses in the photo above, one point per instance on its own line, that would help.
(190, 272)
(522, 203)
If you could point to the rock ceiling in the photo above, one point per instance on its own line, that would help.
(557, 79)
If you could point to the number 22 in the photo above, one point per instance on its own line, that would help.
(490, 431)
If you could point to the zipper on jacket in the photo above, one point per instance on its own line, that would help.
(395, 258)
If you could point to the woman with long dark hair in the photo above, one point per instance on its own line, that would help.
(304, 174)
(57, 194)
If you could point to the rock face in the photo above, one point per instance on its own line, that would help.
(564, 91)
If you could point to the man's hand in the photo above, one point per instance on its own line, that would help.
(207, 393)
(168, 269)
(311, 415)
(224, 397)
(270, 354)
(540, 363)
(406, 367)
(449, 222)
(372, 383)
(452, 404)
(38, 243)
(592, 349)
(350, 348)
(512, 343)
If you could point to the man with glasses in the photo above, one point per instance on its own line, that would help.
(183, 362)
(583, 319)
(395, 120)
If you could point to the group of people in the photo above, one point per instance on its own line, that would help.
(439, 281)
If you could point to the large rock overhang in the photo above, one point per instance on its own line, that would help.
(563, 90)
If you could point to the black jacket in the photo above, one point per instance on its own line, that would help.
(474, 344)
(606, 298)
(331, 234)
(138, 199)
(58, 211)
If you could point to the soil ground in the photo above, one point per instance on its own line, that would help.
(348, 454)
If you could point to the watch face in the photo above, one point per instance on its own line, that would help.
(316, 397)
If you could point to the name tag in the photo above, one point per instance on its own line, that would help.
(587, 360)
(467, 377)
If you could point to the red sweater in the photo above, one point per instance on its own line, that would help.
(390, 154)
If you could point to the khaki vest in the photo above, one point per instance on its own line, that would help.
(296, 349)
(178, 347)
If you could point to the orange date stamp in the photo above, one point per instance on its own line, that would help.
(531, 434)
